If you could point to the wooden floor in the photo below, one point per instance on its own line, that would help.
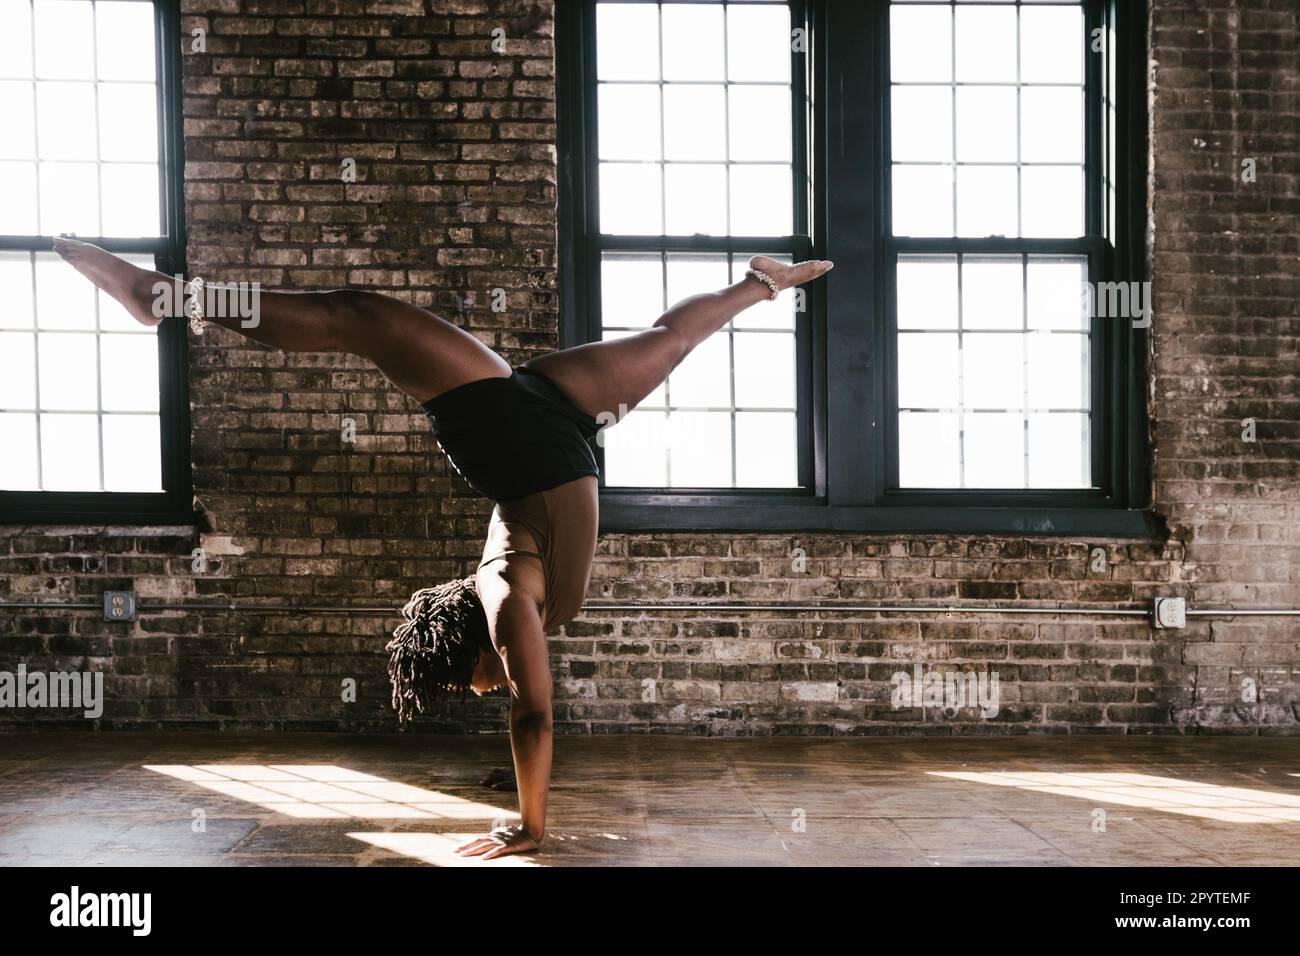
(344, 800)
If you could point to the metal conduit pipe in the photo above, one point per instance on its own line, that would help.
(718, 607)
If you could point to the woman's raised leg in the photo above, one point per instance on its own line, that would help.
(613, 376)
(423, 354)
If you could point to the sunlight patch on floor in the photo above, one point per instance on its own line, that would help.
(327, 792)
(1166, 794)
(438, 849)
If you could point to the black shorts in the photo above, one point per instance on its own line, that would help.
(513, 437)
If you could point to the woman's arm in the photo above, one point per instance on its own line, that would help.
(514, 616)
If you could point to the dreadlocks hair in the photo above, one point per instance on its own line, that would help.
(433, 652)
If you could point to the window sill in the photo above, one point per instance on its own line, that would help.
(650, 513)
(79, 508)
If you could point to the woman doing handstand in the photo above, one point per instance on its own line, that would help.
(521, 437)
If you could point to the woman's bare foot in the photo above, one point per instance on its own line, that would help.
(787, 276)
(130, 285)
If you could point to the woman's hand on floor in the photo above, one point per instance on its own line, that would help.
(500, 842)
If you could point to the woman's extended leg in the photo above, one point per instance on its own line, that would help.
(423, 354)
(600, 377)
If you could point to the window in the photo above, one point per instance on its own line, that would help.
(92, 417)
(970, 168)
(696, 173)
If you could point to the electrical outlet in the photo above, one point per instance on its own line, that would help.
(119, 605)
(1169, 612)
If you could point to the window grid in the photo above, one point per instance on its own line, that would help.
(667, 408)
(668, 245)
(37, 408)
(35, 79)
(848, 412)
(1017, 84)
(961, 237)
(961, 409)
(41, 76)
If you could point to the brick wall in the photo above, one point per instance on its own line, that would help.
(454, 196)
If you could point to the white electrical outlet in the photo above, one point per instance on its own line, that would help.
(1169, 612)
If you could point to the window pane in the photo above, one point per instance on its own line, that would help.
(15, 40)
(17, 371)
(69, 371)
(1058, 451)
(132, 456)
(1058, 371)
(703, 380)
(986, 124)
(124, 48)
(986, 201)
(758, 43)
(986, 44)
(630, 199)
(927, 293)
(992, 293)
(927, 370)
(69, 199)
(928, 450)
(921, 121)
(1051, 125)
(128, 124)
(627, 41)
(765, 450)
(759, 118)
(629, 121)
(993, 450)
(18, 120)
(696, 199)
(63, 299)
(1051, 201)
(1057, 294)
(920, 41)
(636, 450)
(695, 122)
(65, 120)
(70, 452)
(1051, 44)
(700, 449)
(18, 215)
(632, 290)
(765, 370)
(761, 201)
(993, 371)
(922, 200)
(693, 41)
(18, 464)
(129, 370)
(65, 39)
(130, 199)
(16, 290)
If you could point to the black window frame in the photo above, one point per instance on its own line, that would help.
(849, 329)
(174, 504)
